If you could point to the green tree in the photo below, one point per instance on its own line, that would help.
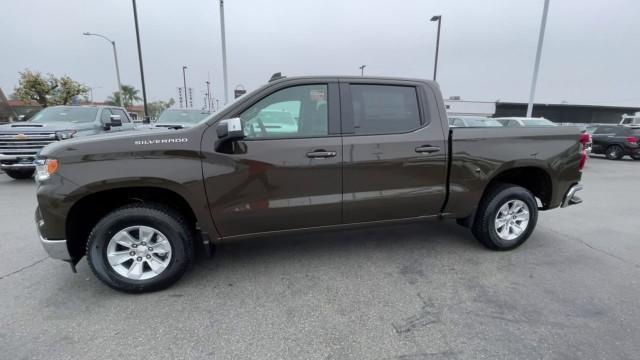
(48, 90)
(129, 96)
(155, 108)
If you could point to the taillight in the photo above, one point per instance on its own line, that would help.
(632, 140)
(585, 138)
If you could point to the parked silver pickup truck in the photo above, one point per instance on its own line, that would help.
(21, 142)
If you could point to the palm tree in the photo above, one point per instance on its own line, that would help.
(129, 96)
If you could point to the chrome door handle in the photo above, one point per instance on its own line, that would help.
(321, 154)
(426, 149)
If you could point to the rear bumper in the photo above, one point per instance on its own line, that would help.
(56, 249)
(570, 198)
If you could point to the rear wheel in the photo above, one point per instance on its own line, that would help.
(20, 174)
(140, 248)
(614, 152)
(635, 156)
(506, 217)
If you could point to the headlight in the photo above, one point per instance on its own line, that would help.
(63, 135)
(45, 168)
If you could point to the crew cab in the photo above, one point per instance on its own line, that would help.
(360, 151)
(21, 142)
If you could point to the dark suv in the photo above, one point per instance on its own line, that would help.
(616, 141)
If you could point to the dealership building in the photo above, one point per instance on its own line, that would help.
(560, 113)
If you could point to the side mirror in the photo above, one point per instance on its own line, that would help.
(228, 131)
(114, 120)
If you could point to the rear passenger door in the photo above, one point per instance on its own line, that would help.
(394, 151)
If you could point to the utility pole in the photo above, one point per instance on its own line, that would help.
(144, 91)
(362, 69)
(224, 54)
(115, 57)
(532, 92)
(184, 80)
(437, 18)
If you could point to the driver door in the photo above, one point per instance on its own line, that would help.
(287, 172)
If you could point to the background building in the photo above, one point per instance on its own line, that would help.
(560, 113)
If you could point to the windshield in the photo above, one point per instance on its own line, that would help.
(71, 114)
(182, 116)
(537, 122)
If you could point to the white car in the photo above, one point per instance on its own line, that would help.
(473, 121)
(630, 120)
(524, 121)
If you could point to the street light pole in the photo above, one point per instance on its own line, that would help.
(144, 92)
(115, 57)
(362, 69)
(184, 80)
(534, 80)
(208, 96)
(437, 18)
(224, 54)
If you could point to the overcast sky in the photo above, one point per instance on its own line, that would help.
(591, 53)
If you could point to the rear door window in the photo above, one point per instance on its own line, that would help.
(384, 109)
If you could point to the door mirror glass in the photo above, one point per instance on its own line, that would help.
(228, 131)
(115, 120)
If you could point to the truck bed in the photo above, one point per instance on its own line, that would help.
(479, 155)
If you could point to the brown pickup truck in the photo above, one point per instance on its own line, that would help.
(298, 154)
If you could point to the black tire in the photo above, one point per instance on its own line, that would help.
(635, 156)
(614, 152)
(166, 220)
(484, 226)
(20, 174)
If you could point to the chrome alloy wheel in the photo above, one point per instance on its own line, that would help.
(512, 219)
(139, 252)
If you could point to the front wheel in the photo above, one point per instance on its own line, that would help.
(20, 174)
(140, 248)
(506, 217)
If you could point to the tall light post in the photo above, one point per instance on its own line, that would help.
(184, 80)
(224, 54)
(437, 18)
(208, 95)
(115, 57)
(144, 91)
(361, 67)
(534, 80)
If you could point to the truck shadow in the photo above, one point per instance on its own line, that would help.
(416, 241)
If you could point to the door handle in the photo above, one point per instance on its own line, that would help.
(321, 154)
(427, 149)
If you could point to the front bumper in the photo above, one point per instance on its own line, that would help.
(570, 198)
(56, 249)
(17, 162)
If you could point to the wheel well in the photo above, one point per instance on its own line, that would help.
(533, 179)
(86, 213)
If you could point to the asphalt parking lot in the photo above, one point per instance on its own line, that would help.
(424, 291)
